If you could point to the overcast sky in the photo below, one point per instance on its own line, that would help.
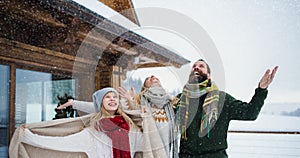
(241, 40)
(250, 36)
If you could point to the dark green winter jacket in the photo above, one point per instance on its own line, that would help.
(215, 145)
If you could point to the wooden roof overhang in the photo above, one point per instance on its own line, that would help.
(60, 28)
(124, 7)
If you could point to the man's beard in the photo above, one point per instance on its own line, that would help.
(197, 79)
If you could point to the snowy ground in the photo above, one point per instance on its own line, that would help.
(249, 145)
(242, 145)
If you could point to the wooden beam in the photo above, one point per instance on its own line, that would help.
(95, 39)
(150, 65)
(12, 100)
(29, 12)
(30, 57)
(124, 7)
(16, 44)
(33, 64)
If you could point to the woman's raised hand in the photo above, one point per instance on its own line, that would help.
(126, 94)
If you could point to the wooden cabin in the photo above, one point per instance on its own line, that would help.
(62, 46)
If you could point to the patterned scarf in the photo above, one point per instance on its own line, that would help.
(117, 129)
(158, 96)
(210, 111)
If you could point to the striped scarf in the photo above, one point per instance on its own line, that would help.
(210, 111)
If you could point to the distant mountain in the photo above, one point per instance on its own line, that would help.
(286, 109)
(293, 113)
(266, 122)
(278, 117)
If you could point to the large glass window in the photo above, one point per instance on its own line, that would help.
(4, 110)
(37, 95)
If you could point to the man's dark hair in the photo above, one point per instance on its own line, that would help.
(208, 68)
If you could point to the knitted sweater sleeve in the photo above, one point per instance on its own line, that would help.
(239, 110)
(87, 107)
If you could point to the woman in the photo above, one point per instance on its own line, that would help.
(154, 101)
(109, 133)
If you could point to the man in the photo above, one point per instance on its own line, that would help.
(204, 113)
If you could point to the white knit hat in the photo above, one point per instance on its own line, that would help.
(98, 96)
